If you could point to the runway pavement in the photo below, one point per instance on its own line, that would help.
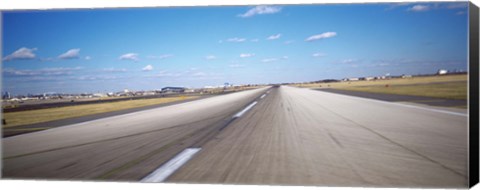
(29, 128)
(124, 147)
(281, 136)
(441, 102)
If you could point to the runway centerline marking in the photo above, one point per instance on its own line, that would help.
(239, 114)
(167, 169)
(263, 96)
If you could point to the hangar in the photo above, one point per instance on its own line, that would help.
(173, 90)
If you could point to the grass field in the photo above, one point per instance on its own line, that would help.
(52, 114)
(448, 87)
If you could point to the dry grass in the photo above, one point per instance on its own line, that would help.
(449, 86)
(399, 81)
(52, 114)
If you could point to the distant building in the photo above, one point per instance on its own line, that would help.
(406, 76)
(366, 78)
(98, 95)
(442, 72)
(190, 90)
(149, 93)
(173, 90)
(6, 95)
(353, 79)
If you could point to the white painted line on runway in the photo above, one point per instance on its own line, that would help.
(263, 96)
(239, 114)
(406, 105)
(167, 169)
(423, 108)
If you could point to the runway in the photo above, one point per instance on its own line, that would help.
(123, 147)
(287, 136)
(440, 102)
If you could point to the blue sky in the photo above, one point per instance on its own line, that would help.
(108, 50)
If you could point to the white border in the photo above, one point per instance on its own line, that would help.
(61, 4)
(75, 4)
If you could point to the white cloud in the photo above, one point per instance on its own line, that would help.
(419, 8)
(433, 6)
(348, 61)
(191, 73)
(383, 64)
(93, 78)
(321, 36)
(22, 53)
(260, 10)
(236, 65)
(186, 75)
(457, 5)
(113, 70)
(47, 59)
(268, 60)
(148, 68)
(245, 55)
(275, 59)
(41, 72)
(318, 55)
(164, 73)
(164, 56)
(70, 54)
(396, 5)
(88, 58)
(254, 40)
(274, 37)
(236, 39)
(130, 57)
(210, 57)
(199, 74)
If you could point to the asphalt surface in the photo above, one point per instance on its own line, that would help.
(401, 98)
(22, 129)
(290, 136)
(122, 147)
(55, 103)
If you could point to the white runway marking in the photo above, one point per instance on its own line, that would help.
(428, 109)
(239, 114)
(408, 106)
(167, 169)
(263, 96)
